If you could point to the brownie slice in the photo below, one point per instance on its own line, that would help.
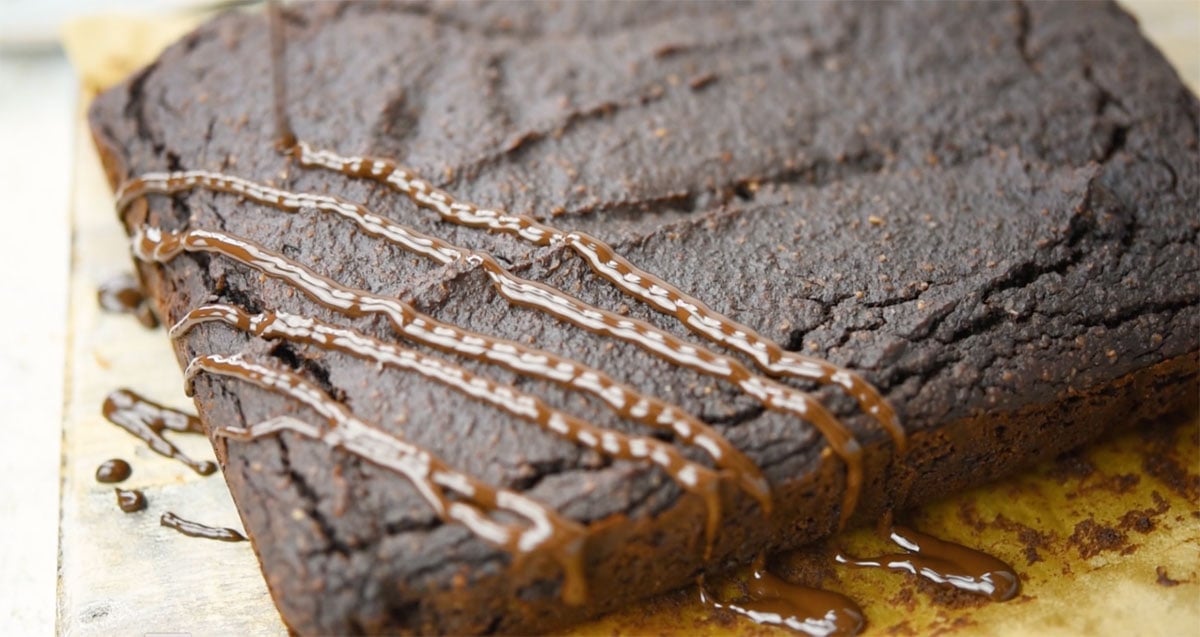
(989, 210)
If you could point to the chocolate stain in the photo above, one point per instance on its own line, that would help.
(1163, 579)
(1091, 538)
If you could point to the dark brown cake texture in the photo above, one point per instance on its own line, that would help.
(987, 210)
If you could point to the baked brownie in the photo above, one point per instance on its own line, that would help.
(988, 210)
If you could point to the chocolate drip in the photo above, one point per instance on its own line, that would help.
(945, 563)
(773, 601)
(114, 470)
(152, 244)
(607, 263)
(528, 407)
(130, 501)
(540, 297)
(475, 502)
(148, 420)
(195, 529)
(123, 294)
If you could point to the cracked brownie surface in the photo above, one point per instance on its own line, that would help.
(989, 210)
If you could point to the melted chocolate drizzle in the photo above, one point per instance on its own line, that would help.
(195, 529)
(475, 500)
(691, 312)
(298, 329)
(540, 297)
(148, 420)
(114, 470)
(773, 601)
(130, 501)
(123, 294)
(606, 262)
(535, 295)
(945, 563)
(152, 244)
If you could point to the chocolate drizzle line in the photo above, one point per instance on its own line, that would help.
(694, 314)
(152, 244)
(773, 601)
(540, 297)
(475, 500)
(608, 264)
(114, 470)
(130, 501)
(123, 294)
(148, 420)
(298, 329)
(195, 529)
(945, 563)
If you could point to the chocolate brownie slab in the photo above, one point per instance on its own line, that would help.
(987, 210)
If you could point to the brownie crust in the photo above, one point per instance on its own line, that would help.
(988, 210)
